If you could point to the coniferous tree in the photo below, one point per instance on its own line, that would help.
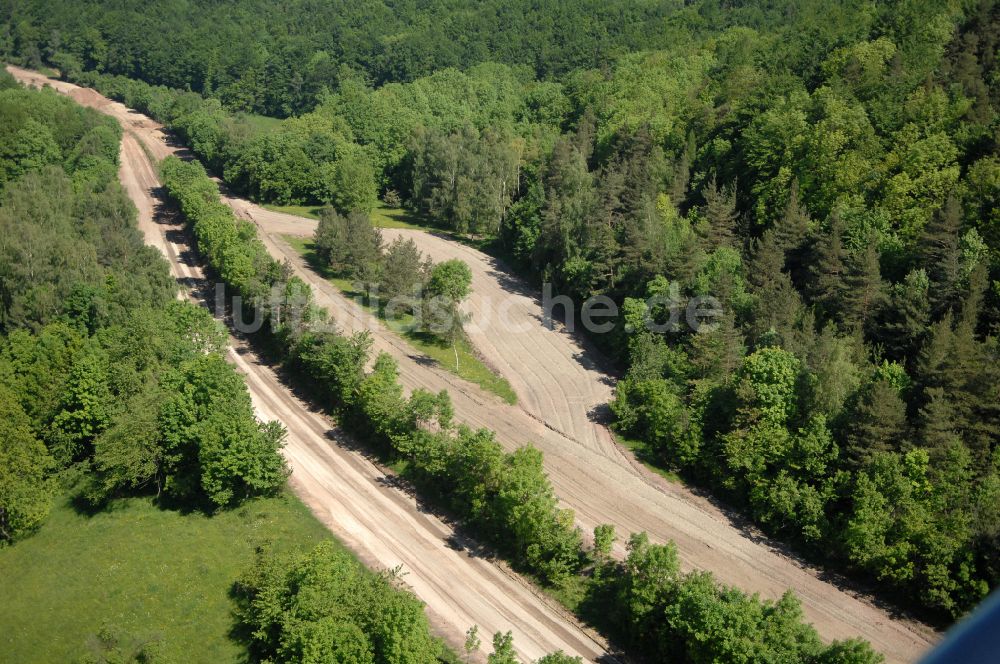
(682, 171)
(934, 359)
(937, 422)
(865, 293)
(365, 254)
(718, 224)
(777, 304)
(906, 315)
(767, 262)
(791, 230)
(586, 131)
(405, 271)
(718, 353)
(330, 241)
(984, 385)
(973, 377)
(570, 201)
(877, 424)
(828, 272)
(941, 254)
(972, 303)
(645, 168)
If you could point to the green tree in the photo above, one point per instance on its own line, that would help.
(129, 454)
(29, 148)
(472, 642)
(604, 539)
(26, 491)
(503, 650)
(380, 397)
(451, 279)
(239, 457)
(767, 385)
(214, 447)
(324, 607)
(719, 215)
(405, 272)
(449, 283)
(353, 185)
(558, 658)
(85, 405)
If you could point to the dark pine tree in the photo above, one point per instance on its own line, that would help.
(905, 317)
(828, 272)
(718, 222)
(940, 254)
(777, 304)
(791, 231)
(865, 294)
(877, 424)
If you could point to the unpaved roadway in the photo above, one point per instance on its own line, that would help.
(353, 497)
(590, 475)
(556, 377)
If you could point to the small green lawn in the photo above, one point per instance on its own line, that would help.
(390, 217)
(645, 455)
(382, 216)
(261, 124)
(307, 211)
(149, 572)
(470, 366)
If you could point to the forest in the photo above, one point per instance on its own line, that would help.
(79, 286)
(829, 171)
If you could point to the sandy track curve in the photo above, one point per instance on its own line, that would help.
(602, 484)
(556, 377)
(362, 505)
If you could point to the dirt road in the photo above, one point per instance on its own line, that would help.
(591, 476)
(362, 505)
(556, 378)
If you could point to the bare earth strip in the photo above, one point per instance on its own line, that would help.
(381, 523)
(558, 388)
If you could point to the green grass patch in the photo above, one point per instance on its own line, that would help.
(307, 211)
(470, 366)
(382, 216)
(149, 572)
(389, 217)
(644, 453)
(261, 124)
